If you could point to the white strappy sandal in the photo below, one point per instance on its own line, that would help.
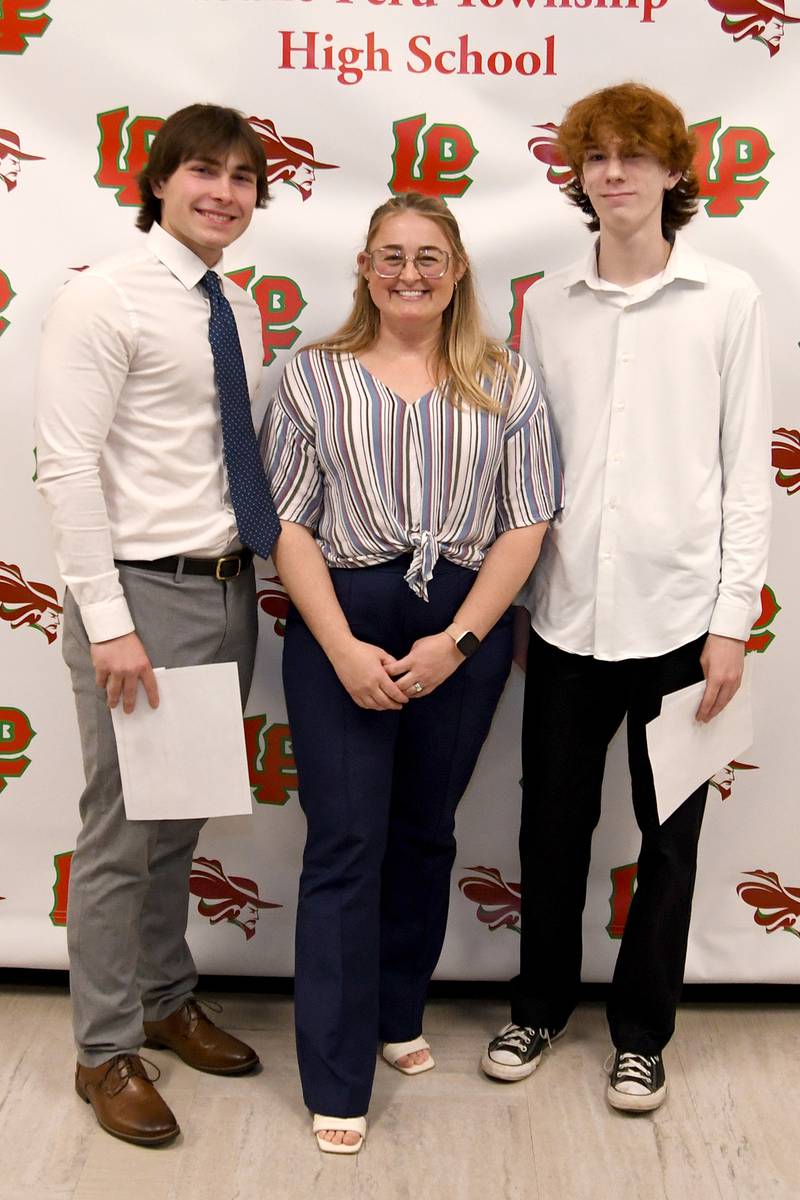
(340, 1124)
(392, 1051)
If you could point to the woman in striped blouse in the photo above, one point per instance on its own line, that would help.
(414, 470)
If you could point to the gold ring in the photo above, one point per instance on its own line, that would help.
(417, 687)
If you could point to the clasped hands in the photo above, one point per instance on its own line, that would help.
(373, 678)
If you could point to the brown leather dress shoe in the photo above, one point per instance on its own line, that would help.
(199, 1042)
(125, 1102)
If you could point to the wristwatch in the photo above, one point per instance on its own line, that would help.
(465, 640)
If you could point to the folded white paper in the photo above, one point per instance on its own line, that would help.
(186, 758)
(684, 753)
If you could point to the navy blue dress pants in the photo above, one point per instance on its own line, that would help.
(379, 790)
(573, 706)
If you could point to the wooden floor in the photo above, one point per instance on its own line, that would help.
(729, 1130)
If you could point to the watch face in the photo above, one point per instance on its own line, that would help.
(467, 644)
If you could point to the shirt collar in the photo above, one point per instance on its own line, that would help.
(684, 263)
(182, 262)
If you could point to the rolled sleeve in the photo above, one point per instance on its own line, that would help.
(289, 453)
(530, 485)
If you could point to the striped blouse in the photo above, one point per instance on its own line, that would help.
(375, 477)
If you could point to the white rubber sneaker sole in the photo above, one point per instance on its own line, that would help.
(627, 1103)
(509, 1074)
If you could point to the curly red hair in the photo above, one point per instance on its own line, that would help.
(644, 121)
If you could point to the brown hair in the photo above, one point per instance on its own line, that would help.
(644, 121)
(466, 355)
(198, 131)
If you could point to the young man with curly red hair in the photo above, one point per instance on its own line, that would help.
(654, 361)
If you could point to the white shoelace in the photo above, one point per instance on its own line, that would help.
(637, 1067)
(521, 1037)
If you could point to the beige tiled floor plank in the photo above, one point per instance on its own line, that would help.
(466, 1017)
(741, 1069)
(47, 1193)
(253, 1010)
(585, 1150)
(41, 1146)
(727, 1131)
(448, 1148)
(258, 1145)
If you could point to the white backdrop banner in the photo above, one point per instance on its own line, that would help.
(356, 99)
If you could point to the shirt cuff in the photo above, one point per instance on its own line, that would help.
(107, 619)
(732, 619)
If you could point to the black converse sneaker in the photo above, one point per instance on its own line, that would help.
(638, 1082)
(516, 1051)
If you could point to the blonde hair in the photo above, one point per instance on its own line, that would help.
(465, 355)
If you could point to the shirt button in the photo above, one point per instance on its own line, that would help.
(620, 407)
(605, 557)
(612, 504)
(626, 358)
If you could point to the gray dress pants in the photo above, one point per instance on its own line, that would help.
(129, 881)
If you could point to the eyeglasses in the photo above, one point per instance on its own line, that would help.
(429, 262)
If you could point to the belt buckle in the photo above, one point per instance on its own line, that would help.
(221, 574)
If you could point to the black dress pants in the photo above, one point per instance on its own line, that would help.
(573, 706)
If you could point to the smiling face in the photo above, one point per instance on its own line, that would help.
(626, 188)
(207, 203)
(409, 297)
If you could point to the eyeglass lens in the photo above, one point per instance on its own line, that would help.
(430, 262)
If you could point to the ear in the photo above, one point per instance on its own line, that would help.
(157, 187)
(460, 269)
(363, 264)
(673, 177)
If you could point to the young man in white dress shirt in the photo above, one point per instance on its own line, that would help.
(149, 538)
(654, 362)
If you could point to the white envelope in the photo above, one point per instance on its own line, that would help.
(684, 753)
(187, 757)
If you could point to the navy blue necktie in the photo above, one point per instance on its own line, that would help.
(252, 504)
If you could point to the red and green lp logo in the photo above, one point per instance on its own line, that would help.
(432, 159)
(280, 302)
(761, 635)
(16, 735)
(6, 296)
(19, 21)
(270, 760)
(729, 165)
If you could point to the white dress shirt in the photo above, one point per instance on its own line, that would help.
(128, 434)
(660, 400)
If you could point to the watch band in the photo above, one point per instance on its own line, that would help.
(466, 641)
